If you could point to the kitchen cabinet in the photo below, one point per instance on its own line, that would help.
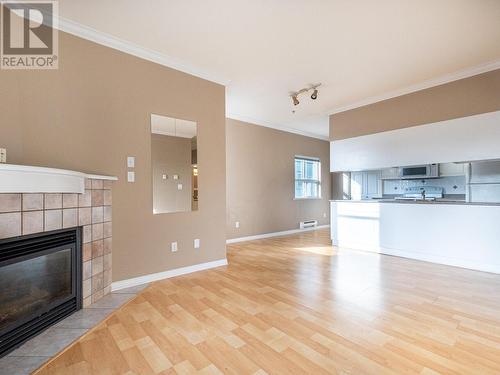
(373, 185)
(486, 172)
(451, 169)
(356, 185)
(390, 173)
(366, 185)
(485, 182)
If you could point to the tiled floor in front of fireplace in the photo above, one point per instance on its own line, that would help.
(35, 352)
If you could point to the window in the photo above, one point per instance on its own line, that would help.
(307, 178)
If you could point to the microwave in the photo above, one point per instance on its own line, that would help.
(419, 171)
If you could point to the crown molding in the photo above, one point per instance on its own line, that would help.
(461, 74)
(274, 126)
(130, 48)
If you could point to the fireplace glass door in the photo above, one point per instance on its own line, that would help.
(34, 285)
(40, 283)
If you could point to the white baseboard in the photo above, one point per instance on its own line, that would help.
(122, 284)
(274, 234)
(425, 257)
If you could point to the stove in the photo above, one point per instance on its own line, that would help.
(428, 193)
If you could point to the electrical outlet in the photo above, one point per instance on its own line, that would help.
(197, 243)
(324, 214)
(179, 186)
(130, 161)
(3, 155)
(173, 247)
(237, 224)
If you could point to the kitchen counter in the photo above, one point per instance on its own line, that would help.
(448, 232)
(432, 202)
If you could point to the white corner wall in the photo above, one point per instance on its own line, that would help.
(465, 139)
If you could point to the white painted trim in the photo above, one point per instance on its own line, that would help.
(461, 74)
(108, 40)
(122, 284)
(274, 234)
(268, 124)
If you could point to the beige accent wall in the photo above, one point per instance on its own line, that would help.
(465, 97)
(260, 180)
(171, 156)
(94, 112)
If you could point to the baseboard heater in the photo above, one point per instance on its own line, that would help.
(308, 224)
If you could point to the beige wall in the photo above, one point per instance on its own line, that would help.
(260, 179)
(171, 156)
(465, 97)
(95, 111)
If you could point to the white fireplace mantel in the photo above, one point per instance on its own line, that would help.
(30, 179)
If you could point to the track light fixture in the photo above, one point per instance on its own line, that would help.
(314, 95)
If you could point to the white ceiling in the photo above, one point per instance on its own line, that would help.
(264, 49)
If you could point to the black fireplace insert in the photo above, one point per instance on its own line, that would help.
(40, 283)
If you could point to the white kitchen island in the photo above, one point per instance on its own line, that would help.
(457, 234)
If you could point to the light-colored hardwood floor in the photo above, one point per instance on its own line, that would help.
(294, 305)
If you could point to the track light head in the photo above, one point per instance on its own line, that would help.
(314, 95)
(295, 94)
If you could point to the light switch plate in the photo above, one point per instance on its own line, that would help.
(237, 224)
(164, 176)
(131, 161)
(176, 176)
(173, 247)
(131, 176)
(197, 243)
(179, 186)
(3, 155)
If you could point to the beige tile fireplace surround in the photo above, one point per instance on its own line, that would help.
(28, 213)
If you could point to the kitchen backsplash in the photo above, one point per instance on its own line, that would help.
(451, 185)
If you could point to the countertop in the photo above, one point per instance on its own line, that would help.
(434, 202)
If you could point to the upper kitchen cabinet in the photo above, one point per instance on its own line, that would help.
(485, 172)
(390, 174)
(465, 139)
(452, 169)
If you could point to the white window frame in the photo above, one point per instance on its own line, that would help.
(295, 180)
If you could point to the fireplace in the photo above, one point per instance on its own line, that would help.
(40, 283)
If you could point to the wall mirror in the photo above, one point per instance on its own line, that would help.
(174, 165)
